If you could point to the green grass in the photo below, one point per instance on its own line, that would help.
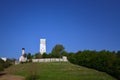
(58, 71)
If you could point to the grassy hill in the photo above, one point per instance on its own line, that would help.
(58, 71)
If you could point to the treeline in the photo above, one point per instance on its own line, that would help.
(105, 61)
(57, 52)
(6, 64)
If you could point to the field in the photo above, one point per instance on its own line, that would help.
(57, 71)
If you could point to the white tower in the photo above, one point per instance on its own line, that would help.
(42, 46)
(22, 57)
(23, 51)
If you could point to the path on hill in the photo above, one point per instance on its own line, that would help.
(11, 77)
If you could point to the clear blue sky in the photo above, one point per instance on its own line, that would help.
(76, 24)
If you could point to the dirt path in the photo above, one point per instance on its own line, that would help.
(11, 77)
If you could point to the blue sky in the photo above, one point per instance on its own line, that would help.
(76, 24)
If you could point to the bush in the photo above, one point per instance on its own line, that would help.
(4, 64)
(1, 67)
(106, 61)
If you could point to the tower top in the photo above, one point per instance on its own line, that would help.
(42, 41)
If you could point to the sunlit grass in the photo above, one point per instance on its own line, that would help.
(58, 71)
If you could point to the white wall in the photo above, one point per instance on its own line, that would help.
(64, 59)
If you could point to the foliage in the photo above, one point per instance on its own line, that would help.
(106, 61)
(5, 64)
(57, 51)
(37, 56)
(45, 55)
(29, 56)
(1, 65)
(101, 60)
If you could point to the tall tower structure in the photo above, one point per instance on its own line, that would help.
(42, 46)
(23, 51)
(22, 57)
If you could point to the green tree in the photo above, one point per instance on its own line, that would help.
(49, 55)
(64, 53)
(1, 65)
(37, 56)
(29, 56)
(118, 54)
(57, 51)
(44, 55)
(71, 57)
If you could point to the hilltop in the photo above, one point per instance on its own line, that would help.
(57, 71)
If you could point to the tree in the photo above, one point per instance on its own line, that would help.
(57, 51)
(37, 56)
(118, 54)
(103, 60)
(64, 53)
(44, 55)
(1, 65)
(8, 63)
(29, 56)
(71, 57)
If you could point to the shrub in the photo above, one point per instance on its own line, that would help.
(1, 67)
(106, 61)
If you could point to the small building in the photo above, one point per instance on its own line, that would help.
(4, 58)
(23, 57)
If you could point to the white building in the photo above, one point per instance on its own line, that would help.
(42, 46)
(22, 57)
(4, 58)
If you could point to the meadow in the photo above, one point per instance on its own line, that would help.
(57, 71)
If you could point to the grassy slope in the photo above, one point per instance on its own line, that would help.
(58, 71)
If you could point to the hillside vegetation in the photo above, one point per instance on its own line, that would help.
(57, 71)
(103, 60)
